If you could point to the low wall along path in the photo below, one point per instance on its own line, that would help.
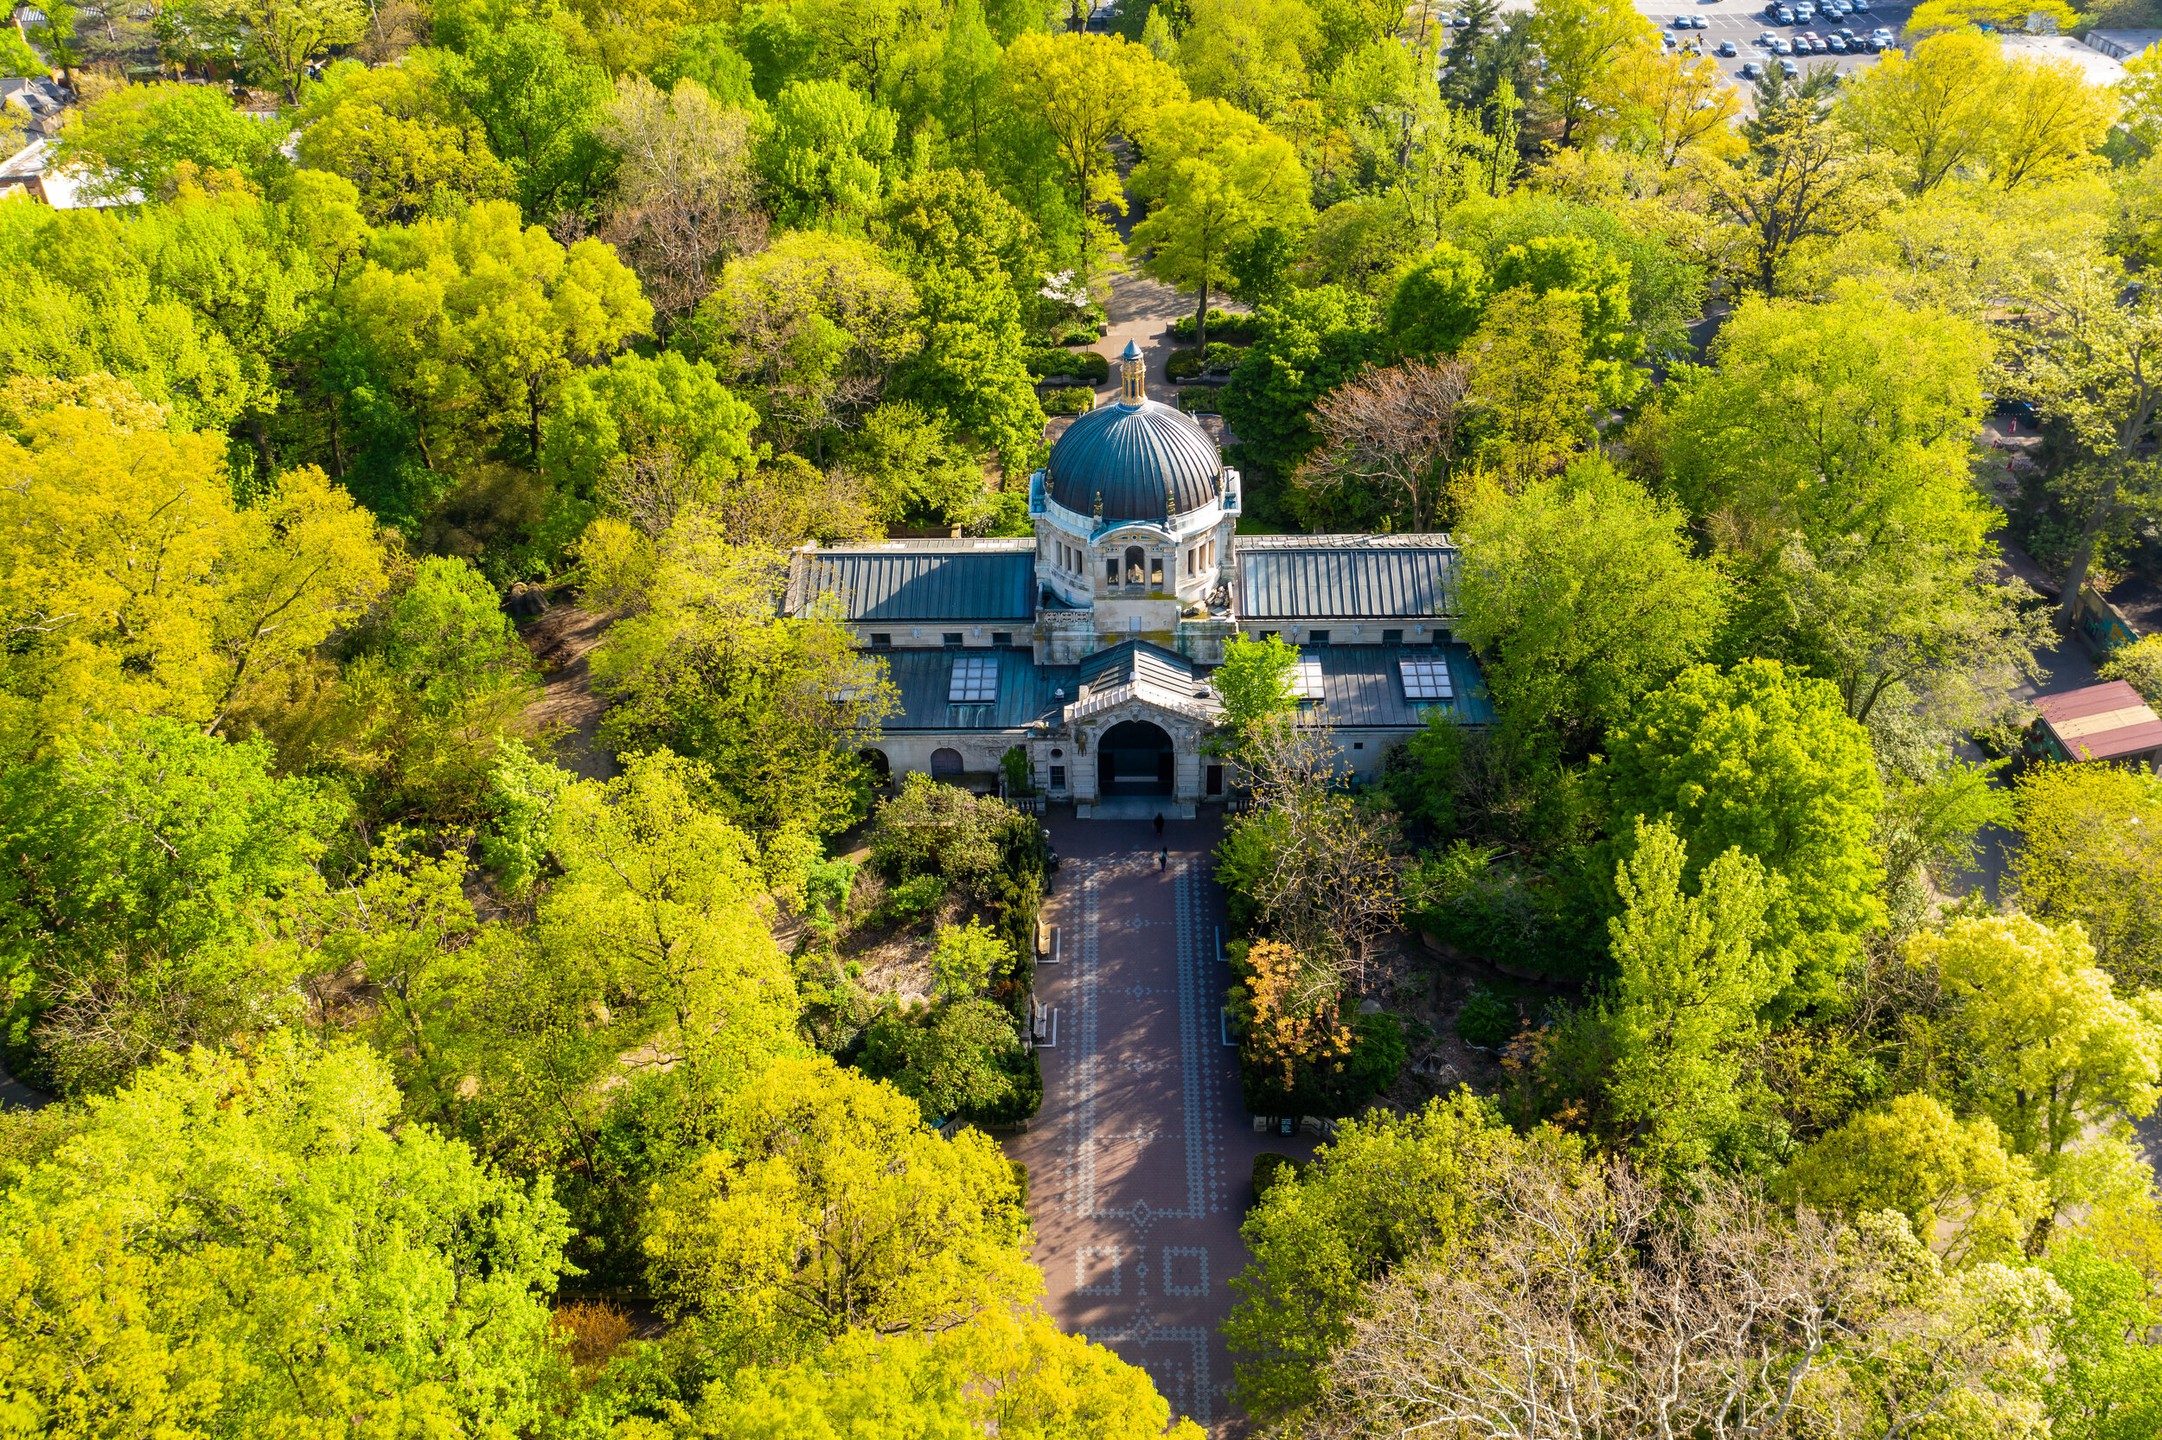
(1140, 1160)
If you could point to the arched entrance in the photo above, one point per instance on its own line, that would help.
(1133, 758)
(945, 764)
(881, 768)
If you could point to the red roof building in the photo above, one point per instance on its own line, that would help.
(2099, 722)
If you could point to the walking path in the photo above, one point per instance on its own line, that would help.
(1140, 1161)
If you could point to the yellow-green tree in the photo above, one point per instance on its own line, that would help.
(830, 1207)
(662, 898)
(2091, 855)
(1001, 1374)
(2051, 1051)
(1254, 55)
(1212, 176)
(776, 706)
(1530, 382)
(471, 324)
(1581, 42)
(402, 138)
(1084, 89)
(135, 586)
(1689, 983)
(1926, 108)
(1946, 1175)
(251, 1245)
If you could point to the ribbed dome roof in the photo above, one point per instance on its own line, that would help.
(1133, 457)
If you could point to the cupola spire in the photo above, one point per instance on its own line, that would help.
(1133, 371)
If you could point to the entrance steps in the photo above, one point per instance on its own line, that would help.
(1134, 807)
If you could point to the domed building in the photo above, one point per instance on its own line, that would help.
(1089, 645)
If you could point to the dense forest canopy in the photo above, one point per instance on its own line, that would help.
(427, 1056)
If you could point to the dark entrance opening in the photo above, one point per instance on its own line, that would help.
(945, 764)
(881, 767)
(1133, 759)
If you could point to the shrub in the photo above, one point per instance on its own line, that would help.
(1217, 359)
(911, 900)
(1272, 1167)
(1014, 765)
(1473, 898)
(1334, 1087)
(1083, 330)
(1020, 1179)
(1069, 400)
(1223, 325)
(968, 957)
(957, 1059)
(1051, 360)
(1201, 400)
(1486, 1020)
(942, 830)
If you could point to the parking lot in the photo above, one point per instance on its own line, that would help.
(1743, 22)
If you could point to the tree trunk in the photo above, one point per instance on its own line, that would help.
(1201, 317)
(2075, 575)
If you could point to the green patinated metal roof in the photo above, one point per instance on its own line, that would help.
(1137, 461)
(1345, 577)
(907, 580)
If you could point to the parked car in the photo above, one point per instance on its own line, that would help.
(1696, 22)
(1782, 46)
(1789, 69)
(1837, 44)
(1728, 49)
(1750, 71)
(1805, 10)
(1786, 16)
(1681, 22)
(1859, 7)
(1814, 41)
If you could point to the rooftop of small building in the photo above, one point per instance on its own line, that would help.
(2101, 722)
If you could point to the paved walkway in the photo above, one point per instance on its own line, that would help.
(1140, 1161)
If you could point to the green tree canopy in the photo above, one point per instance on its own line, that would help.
(137, 138)
(401, 136)
(2092, 856)
(1211, 177)
(1581, 595)
(250, 1245)
(832, 1207)
(1765, 760)
(151, 868)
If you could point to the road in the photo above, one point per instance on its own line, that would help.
(1140, 1161)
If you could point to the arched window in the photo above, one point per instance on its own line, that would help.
(945, 763)
(1135, 575)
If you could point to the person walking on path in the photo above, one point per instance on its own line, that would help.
(1163, 858)
(1159, 822)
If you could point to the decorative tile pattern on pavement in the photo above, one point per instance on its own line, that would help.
(1141, 1157)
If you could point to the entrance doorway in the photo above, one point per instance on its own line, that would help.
(1133, 758)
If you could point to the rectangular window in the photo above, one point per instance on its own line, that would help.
(1002, 637)
(1189, 560)
(1156, 570)
(953, 639)
(1426, 679)
(1216, 780)
(1111, 570)
(1306, 681)
(1267, 634)
(975, 680)
(1358, 744)
(1058, 777)
(1392, 637)
(1317, 637)
(881, 638)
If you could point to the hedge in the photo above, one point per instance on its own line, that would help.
(1049, 360)
(1069, 400)
(1223, 325)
